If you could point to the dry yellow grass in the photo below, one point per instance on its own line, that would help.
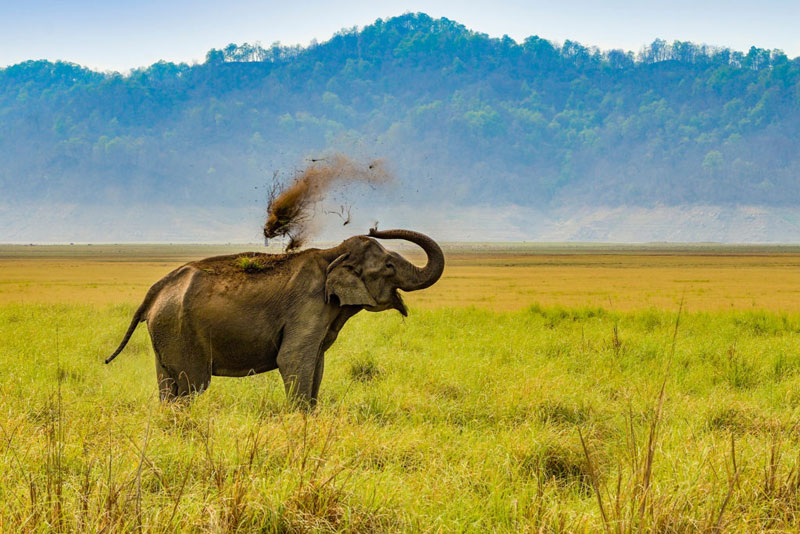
(619, 281)
(500, 279)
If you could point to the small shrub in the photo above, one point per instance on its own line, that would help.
(647, 350)
(556, 462)
(373, 409)
(556, 348)
(317, 506)
(555, 315)
(784, 366)
(761, 323)
(738, 421)
(731, 420)
(557, 413)
(616, 342)
(739, 373)
(407, 459)
(365, 370)
(649, 320)
(64, 373)
(447, 390)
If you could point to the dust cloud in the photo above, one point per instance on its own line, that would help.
(290, 212)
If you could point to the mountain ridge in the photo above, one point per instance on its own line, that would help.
(460, 117)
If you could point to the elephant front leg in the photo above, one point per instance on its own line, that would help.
(301, 369)
(317, 376)
(330, 337)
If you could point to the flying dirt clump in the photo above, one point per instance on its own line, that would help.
(291, 210)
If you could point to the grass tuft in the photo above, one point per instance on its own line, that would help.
(558, 413)
(566, 466)
(251, 265)
(365, 369)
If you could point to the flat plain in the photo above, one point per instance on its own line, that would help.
(535, 388)
(494, 277)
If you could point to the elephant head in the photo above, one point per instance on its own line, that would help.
(365, 274)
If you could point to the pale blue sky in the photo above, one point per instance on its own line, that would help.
(111, 35)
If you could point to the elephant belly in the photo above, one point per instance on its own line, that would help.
(242, 355)
(244, 371)
(243, 363)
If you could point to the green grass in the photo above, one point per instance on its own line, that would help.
(456, 420)
(250, 265)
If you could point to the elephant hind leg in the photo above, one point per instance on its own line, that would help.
(192, 382)
(174, 384)
(167, 385)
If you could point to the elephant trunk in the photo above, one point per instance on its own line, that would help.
(417, 277)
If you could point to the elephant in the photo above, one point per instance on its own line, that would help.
(244, 314)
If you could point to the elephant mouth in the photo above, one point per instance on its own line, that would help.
(395, 302)
(398, 304)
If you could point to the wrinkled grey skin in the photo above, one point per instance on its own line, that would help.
(210, 318)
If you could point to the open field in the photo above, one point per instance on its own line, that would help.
(522, 394)
(494, 277)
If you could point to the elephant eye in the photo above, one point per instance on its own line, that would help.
(389, 265)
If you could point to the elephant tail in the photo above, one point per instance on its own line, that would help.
(141, 313)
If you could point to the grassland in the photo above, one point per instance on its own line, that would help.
(531, 390)
(492, 277)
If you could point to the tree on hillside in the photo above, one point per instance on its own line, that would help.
(463, 116)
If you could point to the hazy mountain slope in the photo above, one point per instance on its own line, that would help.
(461, 117)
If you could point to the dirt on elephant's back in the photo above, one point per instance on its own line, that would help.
(244, 263)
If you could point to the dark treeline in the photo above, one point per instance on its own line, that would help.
(459, 115)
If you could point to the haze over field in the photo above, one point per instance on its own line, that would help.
(489, 138)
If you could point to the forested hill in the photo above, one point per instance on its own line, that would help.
(459, 116)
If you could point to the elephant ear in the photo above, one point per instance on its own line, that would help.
(343, 282)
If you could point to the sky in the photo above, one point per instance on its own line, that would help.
(116, 35)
